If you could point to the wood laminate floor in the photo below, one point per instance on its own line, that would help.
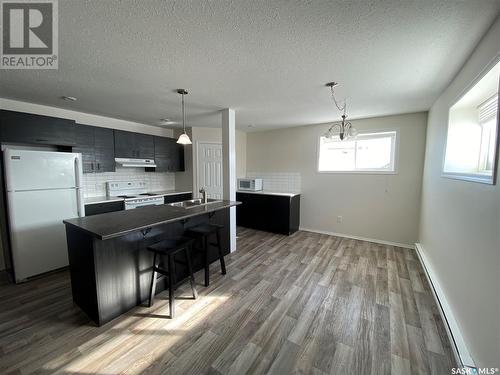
(308, 303)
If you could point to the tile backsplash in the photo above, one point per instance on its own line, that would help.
(283, 182)
(94, 184)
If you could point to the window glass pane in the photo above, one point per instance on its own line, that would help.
(336, 155)
(488, 146)
(367, 152)
(374, 153)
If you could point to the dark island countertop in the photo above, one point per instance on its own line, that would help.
(115, 224)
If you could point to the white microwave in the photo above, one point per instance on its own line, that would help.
(252, 184)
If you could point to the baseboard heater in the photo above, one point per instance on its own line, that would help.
(462, 355)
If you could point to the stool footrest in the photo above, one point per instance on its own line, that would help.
(161, 271)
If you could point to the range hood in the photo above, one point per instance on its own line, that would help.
(135, 163)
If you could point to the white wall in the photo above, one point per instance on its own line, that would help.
(460, 224)
(380, 207)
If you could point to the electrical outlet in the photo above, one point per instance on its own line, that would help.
(339, 219)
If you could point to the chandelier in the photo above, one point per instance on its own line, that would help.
(343, 129)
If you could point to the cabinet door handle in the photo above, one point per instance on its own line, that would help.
(41, 140)
(92, 166)
(99, 166)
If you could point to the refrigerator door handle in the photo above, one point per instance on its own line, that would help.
(78, 182)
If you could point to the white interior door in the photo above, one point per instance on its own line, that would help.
(209, 168)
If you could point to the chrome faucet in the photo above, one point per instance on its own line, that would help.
(203, 195)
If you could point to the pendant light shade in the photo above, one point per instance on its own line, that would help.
(183, 138)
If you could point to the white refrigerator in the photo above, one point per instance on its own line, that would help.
(43, 188)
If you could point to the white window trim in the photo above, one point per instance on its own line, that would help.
(470, 177)
(473, 177)
(395, 150)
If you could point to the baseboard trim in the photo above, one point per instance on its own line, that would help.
(462, 355)
(382, 242)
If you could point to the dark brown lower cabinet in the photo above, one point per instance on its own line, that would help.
(102, 208)
(268, 212)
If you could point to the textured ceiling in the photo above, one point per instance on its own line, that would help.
(268, 60)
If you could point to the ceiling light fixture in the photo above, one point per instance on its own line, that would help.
(183, 138)
(69, 98)
(166, 121)
(343, 129)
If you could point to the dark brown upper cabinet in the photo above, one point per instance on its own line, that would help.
(97, 146)
(134, 145)
(169, 155)
(18, 127)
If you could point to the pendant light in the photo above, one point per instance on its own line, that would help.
(183, 138)
(344, 129)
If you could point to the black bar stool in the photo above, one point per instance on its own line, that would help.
(203, 231)
(169, 248)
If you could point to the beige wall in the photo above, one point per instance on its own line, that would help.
(460, 224)
(380, 207)
(241, 154)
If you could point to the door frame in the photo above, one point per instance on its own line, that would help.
(196, 185)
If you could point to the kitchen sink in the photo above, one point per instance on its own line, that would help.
(193, 203)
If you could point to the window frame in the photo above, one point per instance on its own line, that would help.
(394, 152)
(474, 177)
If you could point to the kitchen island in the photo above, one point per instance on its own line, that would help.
(109, 263)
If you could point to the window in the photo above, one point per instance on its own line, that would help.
(471, 143)
(368, 152)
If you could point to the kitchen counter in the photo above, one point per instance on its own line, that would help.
(110, 265)
(265, 192)
(114, 224)
(170, 192)
(107, 199)
(101, 199)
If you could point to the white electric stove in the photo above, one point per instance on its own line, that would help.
(134, 194)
